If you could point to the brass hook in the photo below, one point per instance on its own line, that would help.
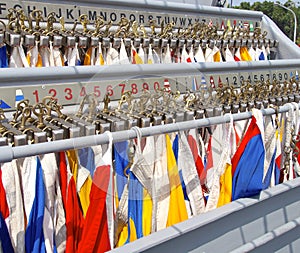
(124, 26)
(2, 118)
(26, 114)
(4, 25)
(152, 24)
(62, 23)
(106, 101)
(10, 15)
(39, 111)
(84, 21)
(37, 16)
(99, 23)
(50, 21)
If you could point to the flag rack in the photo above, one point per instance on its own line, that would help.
(10, 153)
(38, 83)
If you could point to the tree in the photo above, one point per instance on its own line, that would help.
(283, 18)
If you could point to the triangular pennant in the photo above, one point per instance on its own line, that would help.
(251, 27)
(297, 75)
(212, 82)
(19, 96)
(195, 84)
(167, 85)
(222, 25)
(237, 55)
(241, 24)
(4, 105)
(228, 24)
(220, 83)
(203, 83)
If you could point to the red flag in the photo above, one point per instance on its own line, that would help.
(220, 84)
(248, 164)
(95, 236)
(3, 202)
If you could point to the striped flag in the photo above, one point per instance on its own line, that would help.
(203, 83)
(34, 235)
(19, 96)
(248, 164)
(195, 84)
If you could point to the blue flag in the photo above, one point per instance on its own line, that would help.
(4, 237)
(34, 236)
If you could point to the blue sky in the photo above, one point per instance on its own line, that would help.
(237, 2)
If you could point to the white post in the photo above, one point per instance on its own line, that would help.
(295, 18)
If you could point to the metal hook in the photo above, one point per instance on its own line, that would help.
(37, 16)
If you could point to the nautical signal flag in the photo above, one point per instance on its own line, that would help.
(251, 27)
(237, 55)
(228, 24)
(19, 96)
(4, 105)
(247, 178)
(222, 25)
(203, 83)
(167, 85)
(220, 83)
(195, 84)
(212, 82)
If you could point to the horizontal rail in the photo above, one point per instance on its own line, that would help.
(9, 153)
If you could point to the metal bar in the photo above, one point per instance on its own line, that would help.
(258, 223)
(9, 153)
(162, 6)
(9, 77)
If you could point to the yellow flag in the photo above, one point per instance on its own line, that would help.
(229, 25)
(73, 163)
(217, 56)
(177, 210)
(84, 192)
(136, 58)
(123, 236)
(225, 186)
(28, 57)
(101, 59)
(245, 54)
(87, 58)
(39, 62)
(147, 213)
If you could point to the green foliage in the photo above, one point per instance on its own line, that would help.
(283, 18)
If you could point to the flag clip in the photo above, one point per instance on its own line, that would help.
(57, 41)
(44, 41)
(82, 42)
